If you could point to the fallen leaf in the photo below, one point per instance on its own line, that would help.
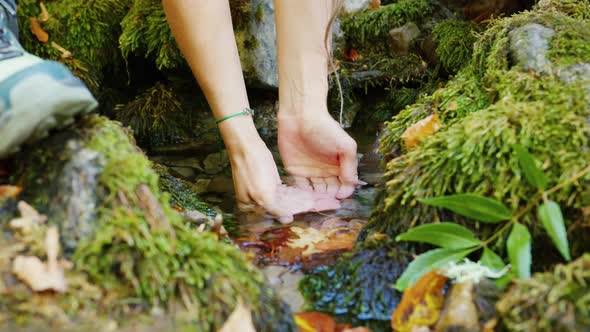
(29, 217)
(421, 304)
(44, 16)
(315, 322)
(65, 54)
(351, 54)
(460, 311)
(239, 321)
(38, 31)
(424, 128)
(8, 191)
(41, 276)
(375, 4)
(307, 238)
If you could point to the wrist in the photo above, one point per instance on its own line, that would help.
(238, 133)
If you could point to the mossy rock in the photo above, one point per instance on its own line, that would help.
(552, 301)
(499, 100)
(359, 287)
(136, 246)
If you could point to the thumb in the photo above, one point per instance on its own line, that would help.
(348, 171)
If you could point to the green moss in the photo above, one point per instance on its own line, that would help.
(259, 13)
(163, 259)
(88, 29)
(579, 9)
(372, 26)
(461, 96)
(146, 32)
(551, 301)
(359, 287)
(156, 116)
(490, 106)
(455, 41)
(475, 155)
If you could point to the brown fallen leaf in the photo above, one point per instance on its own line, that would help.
(41, 276)
(8, 191)
(307, 238)
(421, 304)
(424, 128)
(240, 320)
(38, 31)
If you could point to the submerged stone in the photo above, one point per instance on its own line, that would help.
(359, 287)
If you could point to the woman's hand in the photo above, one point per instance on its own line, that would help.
(256, 178)
(318, 153)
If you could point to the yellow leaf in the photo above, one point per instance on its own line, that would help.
(424, 128)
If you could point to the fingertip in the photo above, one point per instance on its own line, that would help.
(346, 190)
(285, 219)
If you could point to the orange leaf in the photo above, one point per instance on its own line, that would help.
(375, 4)
(38, 31)
(318, 321)
(421, 303)
(9, 191)
(351, 54)
(424, 128)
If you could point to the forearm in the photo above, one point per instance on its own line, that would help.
(302, 54)
(204, 32)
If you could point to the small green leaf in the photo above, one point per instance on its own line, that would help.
(532, 172)
(428, 261)
(444, 234)
(472, 206)
(492, 260)
(552, 219)
(519, 250)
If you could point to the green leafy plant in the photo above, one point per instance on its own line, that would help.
(456, 242)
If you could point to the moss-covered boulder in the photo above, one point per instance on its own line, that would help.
(120, 230)
(552, 301)
(526, 84)
(359, 287)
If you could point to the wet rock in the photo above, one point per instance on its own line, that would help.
(353, 6)
(185, 172)
(265, 119)
(529, 46)
(60, 177)
(285, 283)
(359, 287)
(400, 39)
(216, 162)
(262, 28)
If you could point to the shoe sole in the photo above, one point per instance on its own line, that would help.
(49, 96)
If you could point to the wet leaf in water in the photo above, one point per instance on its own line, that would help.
(38, 31)
(421, 304)
(422, 129)
(239, 320)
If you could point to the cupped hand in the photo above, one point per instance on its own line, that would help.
(318, 153)
(258, 185)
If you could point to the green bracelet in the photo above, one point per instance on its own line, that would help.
(246, 111)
